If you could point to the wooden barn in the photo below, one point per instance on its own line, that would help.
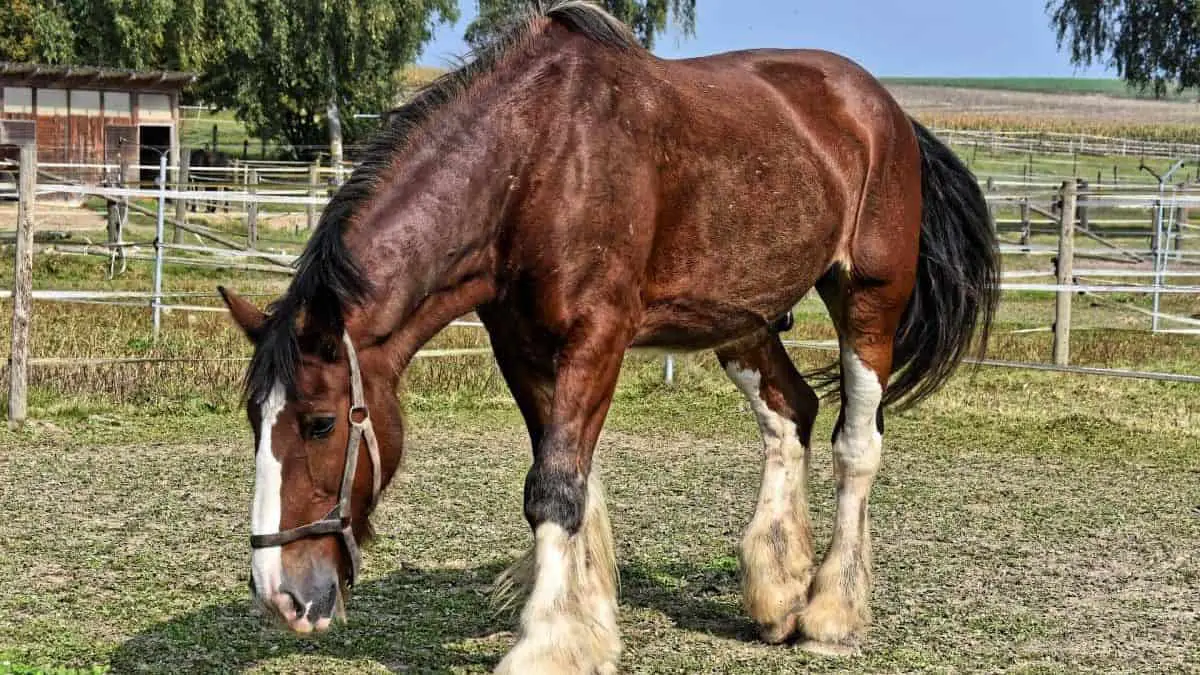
(91, 116)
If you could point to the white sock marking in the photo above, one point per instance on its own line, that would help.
(552, 568)
(859, 445)
(784, 454)
(267, 563)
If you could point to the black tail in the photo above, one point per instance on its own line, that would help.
(958, 278)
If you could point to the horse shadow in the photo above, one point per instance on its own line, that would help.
(700, 599)
(414, 620)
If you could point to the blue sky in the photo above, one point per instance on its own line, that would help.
(889, 37)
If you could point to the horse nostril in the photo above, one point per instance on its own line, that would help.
(298, 608)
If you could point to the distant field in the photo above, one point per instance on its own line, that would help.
(1046, 85)
(1014, 110)
(1070, 105)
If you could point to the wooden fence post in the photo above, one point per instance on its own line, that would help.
(991, 206)
(1065, 265)
(18, 360)
(1025, 222)
(182, 176)
(314, 179)
(232, 178)
(252, 209)
(1082, 208)
(114, 207)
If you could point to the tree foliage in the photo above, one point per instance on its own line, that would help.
(1154, 44)
(138, 34)
(278, 64)
(30, 30)
(283, 61)
(647, 18)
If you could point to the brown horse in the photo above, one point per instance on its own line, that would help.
(585, 197)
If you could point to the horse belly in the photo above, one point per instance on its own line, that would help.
(716, 286)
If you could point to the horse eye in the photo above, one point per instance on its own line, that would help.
(318, 426)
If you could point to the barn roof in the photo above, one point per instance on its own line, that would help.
(91, 77)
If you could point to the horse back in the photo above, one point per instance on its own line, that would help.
(707, 195)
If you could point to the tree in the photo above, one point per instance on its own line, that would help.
(282, 65)
(292, 70)
(32, 31)
(285, 64)
(647, 18)
(136, 34)
(1154, 44)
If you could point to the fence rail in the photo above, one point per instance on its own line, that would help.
(1061, 208)
(1068, 144)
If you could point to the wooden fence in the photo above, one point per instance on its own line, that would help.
(1069, 211)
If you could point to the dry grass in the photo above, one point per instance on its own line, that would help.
(1022, 522)
(989, 109)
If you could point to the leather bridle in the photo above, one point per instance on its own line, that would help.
(338, 520)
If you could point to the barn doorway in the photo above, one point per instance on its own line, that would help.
(153, 140)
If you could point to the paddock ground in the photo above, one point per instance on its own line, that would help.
(1023, 522)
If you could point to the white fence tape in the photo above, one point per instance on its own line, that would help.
(266, 196)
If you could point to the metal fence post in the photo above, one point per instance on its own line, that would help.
(1066, 261)
(158, 243)
(18, 360)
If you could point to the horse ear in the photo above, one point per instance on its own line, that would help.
(250, 318)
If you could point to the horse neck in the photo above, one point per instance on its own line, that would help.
(428, 238)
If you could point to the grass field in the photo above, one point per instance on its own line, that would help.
(1046, 85)
(1023, 521)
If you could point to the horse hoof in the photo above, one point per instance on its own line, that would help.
(783, 631)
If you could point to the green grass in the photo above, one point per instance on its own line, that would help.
(1044, 85)
(196, 129)
(1022, 521)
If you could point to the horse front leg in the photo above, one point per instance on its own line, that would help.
(569, 622)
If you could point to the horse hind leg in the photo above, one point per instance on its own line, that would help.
(839, 610)
(776, 552)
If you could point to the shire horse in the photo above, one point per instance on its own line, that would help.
(585, 197)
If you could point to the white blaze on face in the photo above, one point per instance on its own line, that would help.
(267, 563)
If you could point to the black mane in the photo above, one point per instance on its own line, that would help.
(328, 280)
